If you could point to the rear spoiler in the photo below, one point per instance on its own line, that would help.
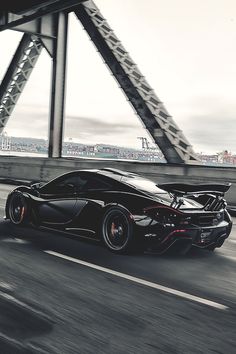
(185, 188)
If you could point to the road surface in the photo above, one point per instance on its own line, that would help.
(62, 296)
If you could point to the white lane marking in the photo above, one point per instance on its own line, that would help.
(23, 305)
(232, 258)
(13, 299)
(232, 241)
(141, 281)
(5, 285)
(15, 240)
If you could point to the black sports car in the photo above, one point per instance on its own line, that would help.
(125, 210)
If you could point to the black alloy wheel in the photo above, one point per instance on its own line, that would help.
(117, 230)
(18, 208)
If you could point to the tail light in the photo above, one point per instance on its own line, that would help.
(167, 215)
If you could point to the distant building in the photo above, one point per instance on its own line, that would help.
(5, 142)
(73, 149)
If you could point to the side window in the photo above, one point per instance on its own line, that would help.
(72, 184)
(65, 185)
(94, 183)
(81, 182)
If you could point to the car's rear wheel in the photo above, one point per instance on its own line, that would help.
(211, 248)
(18, 208)
(117, 230)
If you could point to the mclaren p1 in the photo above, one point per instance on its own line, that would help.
(125, 211)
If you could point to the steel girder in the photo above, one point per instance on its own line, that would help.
(58, 84)
(16, 13)
(17, 75)
(22, 64)
(148, 106)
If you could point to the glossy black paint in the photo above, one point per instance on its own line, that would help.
(76, 203)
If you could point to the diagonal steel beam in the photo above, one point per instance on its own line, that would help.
(148, 106)
(17, 74)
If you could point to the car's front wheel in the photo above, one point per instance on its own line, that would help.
(17, 208)
(117, 230)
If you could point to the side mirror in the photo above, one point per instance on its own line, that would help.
(36, 185)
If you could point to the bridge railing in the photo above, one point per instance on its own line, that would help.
(43, 169)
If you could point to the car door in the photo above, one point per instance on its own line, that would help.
(94, 187)
(61, 202)
(93, 192)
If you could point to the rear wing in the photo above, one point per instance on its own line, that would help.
(181, 189)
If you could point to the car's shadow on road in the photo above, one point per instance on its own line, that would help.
(43, 240)
(87, 249)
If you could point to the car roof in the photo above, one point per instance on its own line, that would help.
(107, 171)
(116, 172)
(113, 173)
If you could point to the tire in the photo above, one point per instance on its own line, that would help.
(211, 248)
(117, 230)
(18, 208)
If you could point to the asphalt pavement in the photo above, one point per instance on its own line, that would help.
(64, 296)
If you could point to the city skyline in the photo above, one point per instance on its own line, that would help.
(152, 146)
(193, 73)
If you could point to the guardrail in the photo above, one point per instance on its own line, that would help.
(43, 169)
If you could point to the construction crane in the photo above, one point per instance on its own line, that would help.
(145, 143)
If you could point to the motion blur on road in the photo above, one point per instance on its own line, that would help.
(62, 296)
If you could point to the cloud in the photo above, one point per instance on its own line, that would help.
(92, 130)
(212, 126)
(32, 121)
(209, 124)
(94, 126)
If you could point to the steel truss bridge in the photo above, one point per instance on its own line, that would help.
(45, 25)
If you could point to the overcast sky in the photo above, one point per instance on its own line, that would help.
(186, 49)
